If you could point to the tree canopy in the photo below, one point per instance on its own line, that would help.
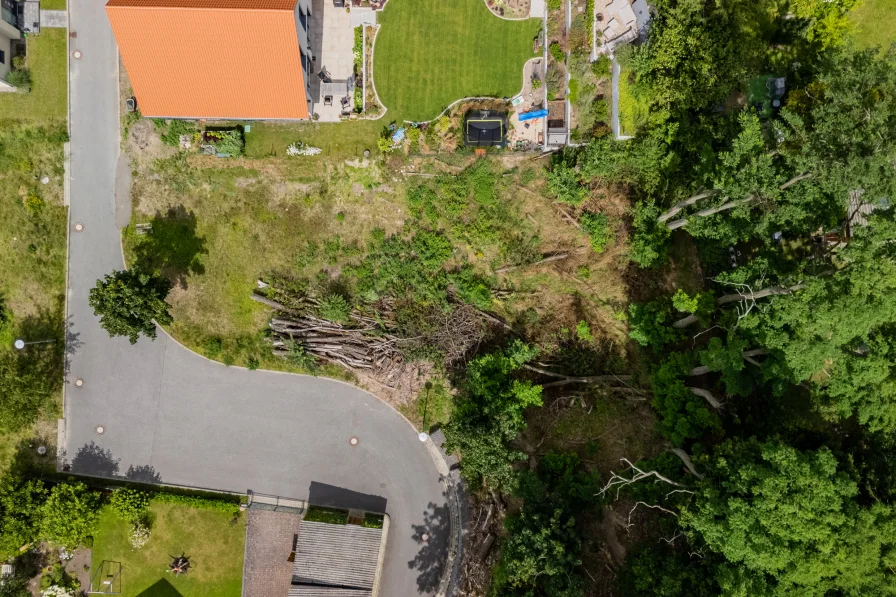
(130, 303)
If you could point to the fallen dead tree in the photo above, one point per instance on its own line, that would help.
(372, 344)
(366, 347)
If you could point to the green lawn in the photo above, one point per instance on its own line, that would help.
(48, 98)
(214, 545)
(430, 53)
(633, 109)
(875, 22)
(52, 4)
(339, 140)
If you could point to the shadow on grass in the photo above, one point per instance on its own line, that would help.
(162, 588)
(172, 247)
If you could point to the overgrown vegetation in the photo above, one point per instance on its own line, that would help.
(745, 357)
(771, 375)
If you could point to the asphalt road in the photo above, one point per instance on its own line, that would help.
(171, 416)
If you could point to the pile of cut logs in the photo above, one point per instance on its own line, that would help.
(365, 347)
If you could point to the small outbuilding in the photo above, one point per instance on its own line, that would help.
(485, 128)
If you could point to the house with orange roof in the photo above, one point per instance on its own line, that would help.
(227, 59)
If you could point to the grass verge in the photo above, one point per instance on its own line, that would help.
(430, 53)
(337, 140)
(32, 267)
(214, 542)
(633, 110)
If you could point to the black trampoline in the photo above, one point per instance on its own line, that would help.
(485, 128)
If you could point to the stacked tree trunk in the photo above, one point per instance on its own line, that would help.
(367, 347)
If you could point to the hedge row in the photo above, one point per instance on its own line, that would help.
(230, 506)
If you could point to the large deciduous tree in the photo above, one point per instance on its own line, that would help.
(839, 331)
(789, 518)
(542, 552)
(490, 414)
(130, 303)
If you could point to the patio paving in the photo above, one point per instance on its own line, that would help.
(332, 41)
(270, 537)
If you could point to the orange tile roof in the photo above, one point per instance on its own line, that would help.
(236, 59)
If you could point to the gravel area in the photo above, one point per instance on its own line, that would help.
(270, 538)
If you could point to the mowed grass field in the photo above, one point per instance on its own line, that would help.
(875, 23)
(212, 540)
(429, 53)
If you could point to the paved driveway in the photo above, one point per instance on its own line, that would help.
(171, 416)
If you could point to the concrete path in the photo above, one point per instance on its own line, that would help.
(537, 9)
(53, 18)
(171, 416)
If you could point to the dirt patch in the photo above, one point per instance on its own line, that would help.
(143, 141)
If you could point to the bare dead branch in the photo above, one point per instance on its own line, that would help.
(686, 459)
(675, 209)
(617, 481)
(707, 395)
(628, 523)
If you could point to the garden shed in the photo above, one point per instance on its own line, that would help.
(485, 128)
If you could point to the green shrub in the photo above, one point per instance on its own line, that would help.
(555, 4)
(19, 78)
(573, 90)
(651, 324)
(334, 307)
(227, 142)
(327, 515)
(130, 504)
(230, 505)
(564, 183)
(557, 52)
(69, 515)
(598, 228)
(601, 67)
(373, 521)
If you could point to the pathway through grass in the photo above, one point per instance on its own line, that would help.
(430, 53)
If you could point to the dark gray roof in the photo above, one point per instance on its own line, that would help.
(310, 591)
(341, 555)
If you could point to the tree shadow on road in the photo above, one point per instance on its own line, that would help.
(144, 473)
(432, 536)
(92, 459)
(172, 247)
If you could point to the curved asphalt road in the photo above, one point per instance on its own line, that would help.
(174, 417)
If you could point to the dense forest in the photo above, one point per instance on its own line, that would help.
(773, 383)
